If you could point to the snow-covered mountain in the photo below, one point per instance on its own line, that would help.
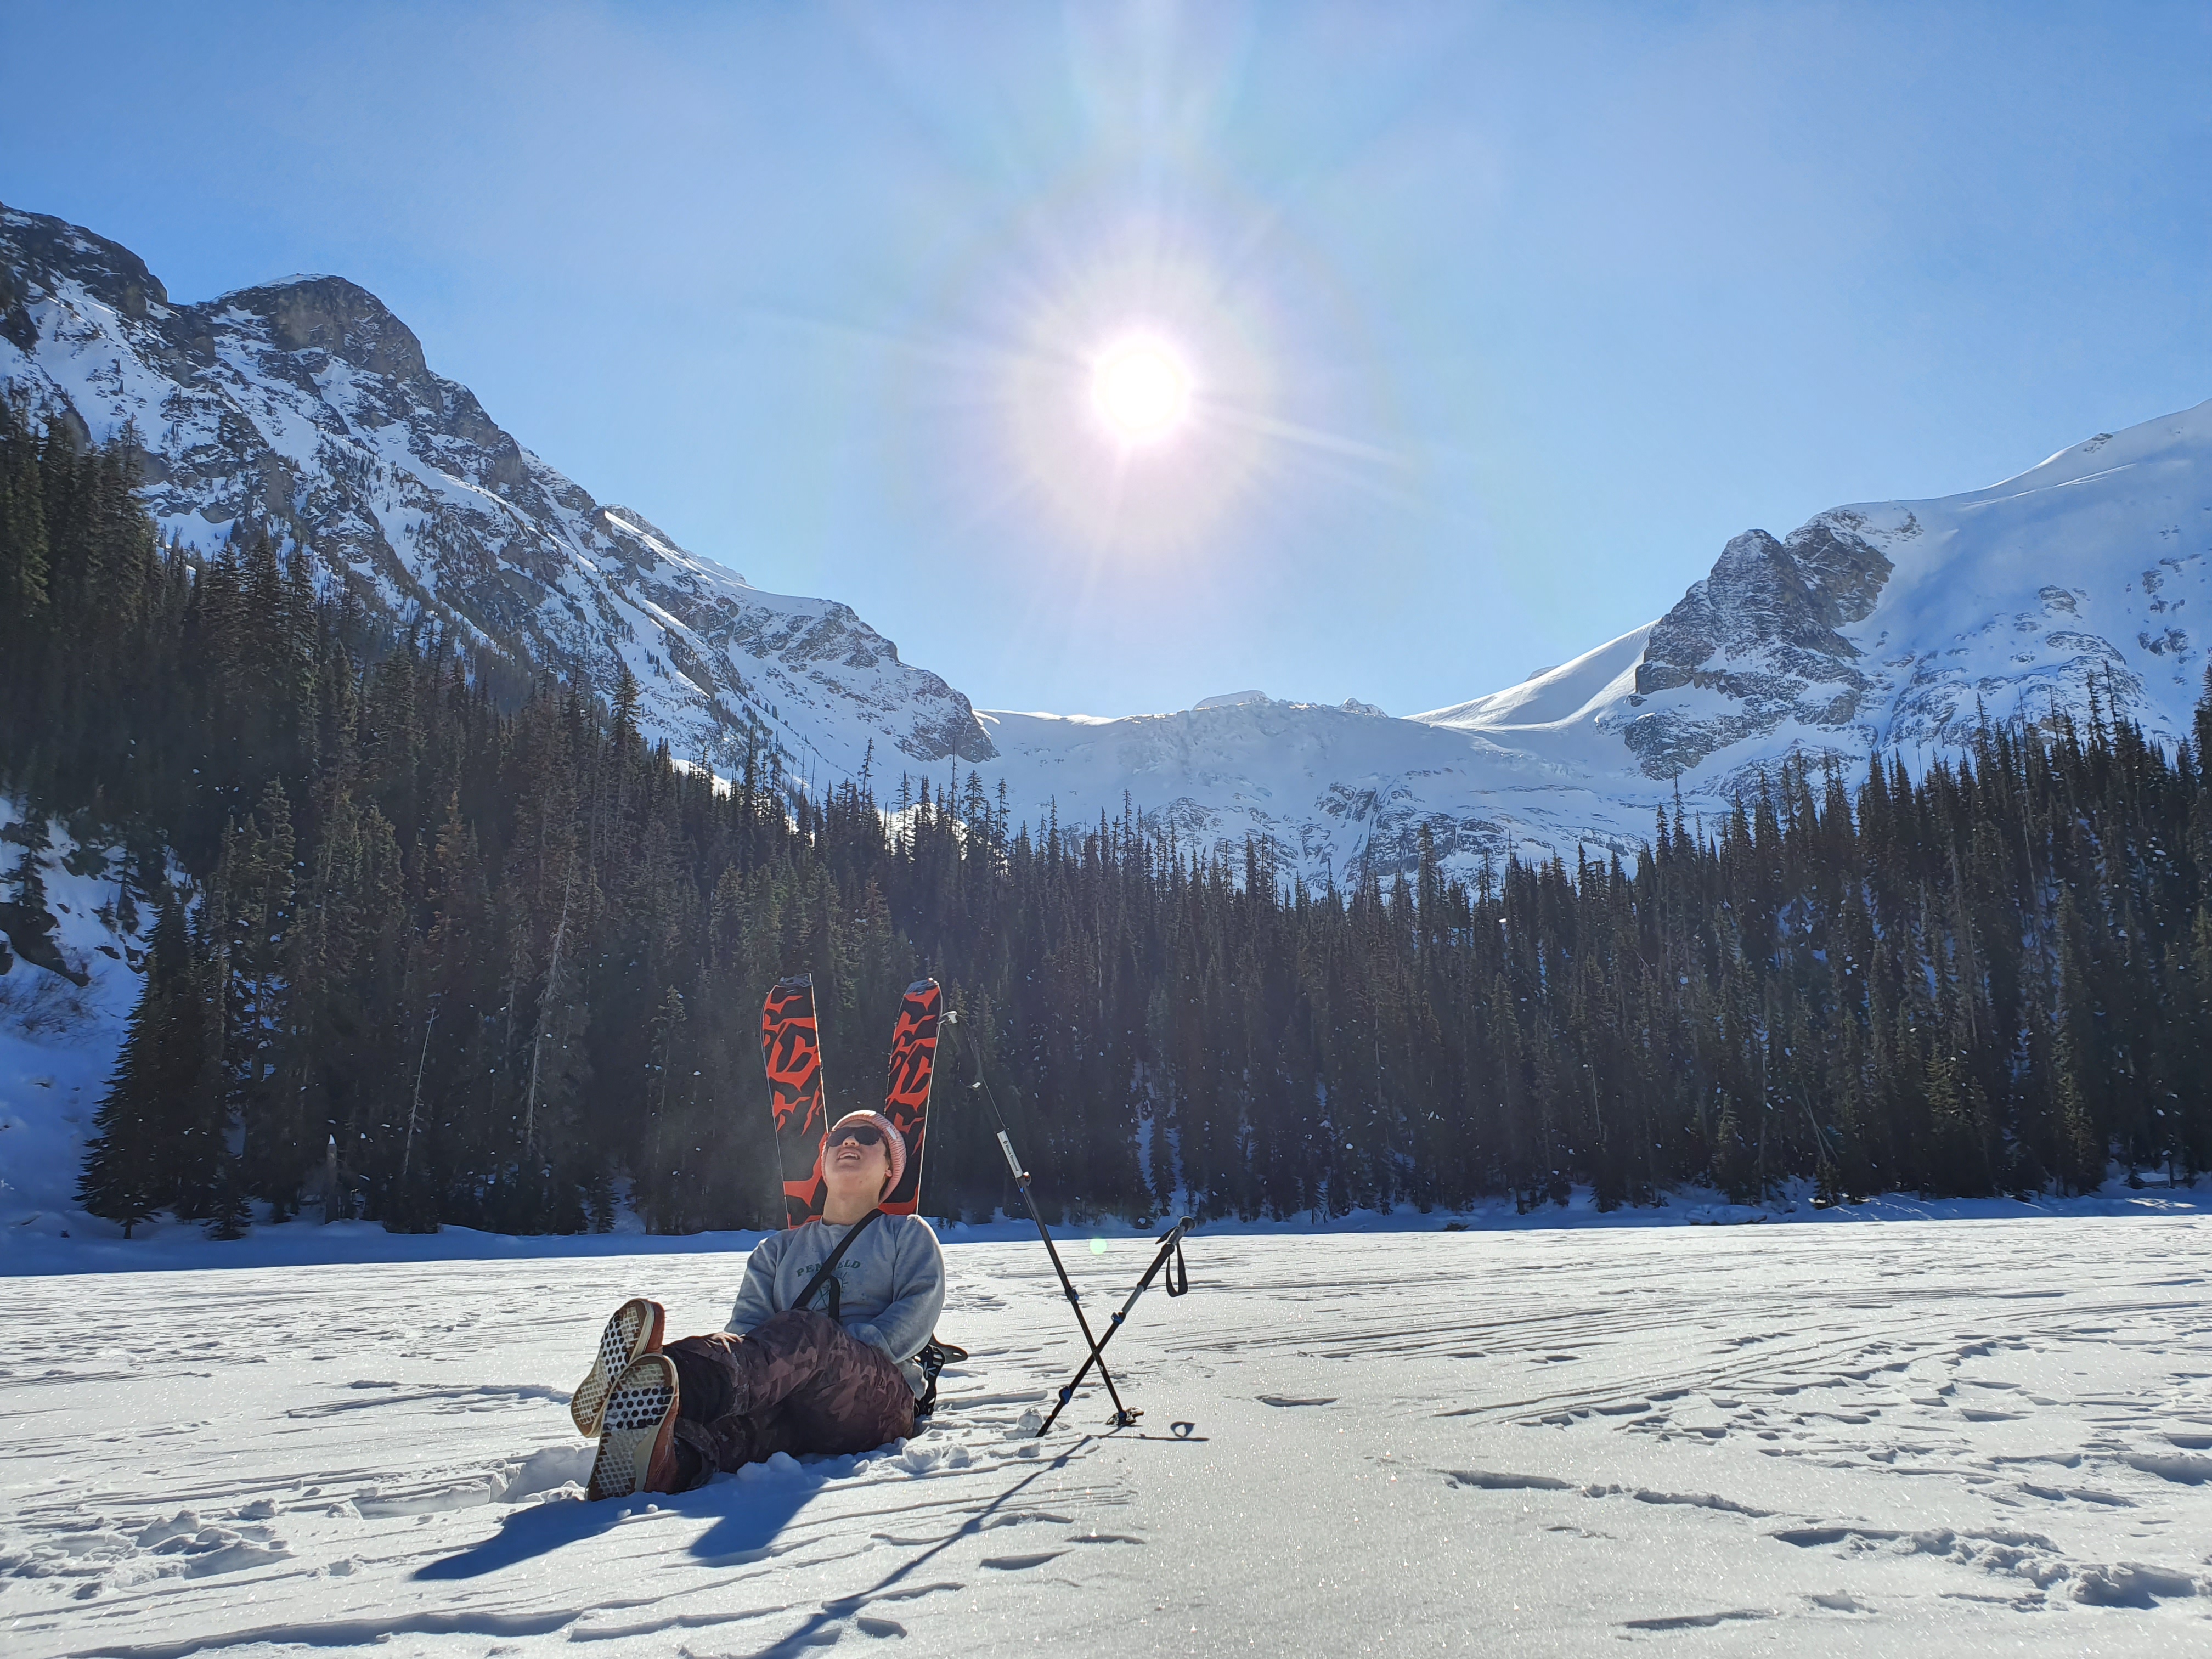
(1327, 786)
(1901, 625)
(305, 407)
(1890, 626)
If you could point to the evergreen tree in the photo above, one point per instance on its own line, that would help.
(136, 1164)
(509, 956)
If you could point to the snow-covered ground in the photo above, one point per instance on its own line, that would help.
(1955, 1435)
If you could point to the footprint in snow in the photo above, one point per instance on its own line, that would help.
(1696, 1620)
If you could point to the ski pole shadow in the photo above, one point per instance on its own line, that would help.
(815, 1633)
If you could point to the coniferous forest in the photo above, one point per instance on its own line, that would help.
(511, 959)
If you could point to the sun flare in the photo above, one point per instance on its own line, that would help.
(1140, 389)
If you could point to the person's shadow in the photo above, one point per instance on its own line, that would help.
(525, 1535)
(750, 1516)
(747, 1517)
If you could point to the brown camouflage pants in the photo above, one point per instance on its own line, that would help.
(798, 1383)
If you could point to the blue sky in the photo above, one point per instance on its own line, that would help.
(1499, 319)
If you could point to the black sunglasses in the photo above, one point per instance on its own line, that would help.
(866, 1134)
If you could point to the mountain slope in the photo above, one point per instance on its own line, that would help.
(1902, 625)
(305, 408)
(1890, 626)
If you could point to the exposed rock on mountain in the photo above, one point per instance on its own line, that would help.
(1769, 613)
(305, 408)
(1901, 627)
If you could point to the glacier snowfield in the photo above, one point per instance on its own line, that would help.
(1953, 1436)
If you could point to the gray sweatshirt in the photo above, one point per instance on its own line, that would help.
(890, 1284)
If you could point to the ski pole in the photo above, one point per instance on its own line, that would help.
(1170, 1245)
(1122, 1415)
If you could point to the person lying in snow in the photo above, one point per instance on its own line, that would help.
(784, 1376)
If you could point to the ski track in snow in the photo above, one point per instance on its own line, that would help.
(1987, 1436)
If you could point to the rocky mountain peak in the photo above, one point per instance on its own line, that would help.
(43, 247)
(1782, 600)
(334, 317)
(1762, 631)
(305, 408)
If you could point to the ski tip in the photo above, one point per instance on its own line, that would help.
(920, 986)
(797, 982)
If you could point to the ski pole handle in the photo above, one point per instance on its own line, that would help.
(1014, 1164)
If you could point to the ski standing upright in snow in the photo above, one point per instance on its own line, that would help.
(906, 1093)
(790, 1052)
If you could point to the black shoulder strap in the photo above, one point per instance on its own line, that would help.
(829, 1266)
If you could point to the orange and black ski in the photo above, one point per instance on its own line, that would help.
(905, 1100)
(791, 1049)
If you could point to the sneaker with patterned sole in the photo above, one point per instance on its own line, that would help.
(637, 1432)
(633, 1332)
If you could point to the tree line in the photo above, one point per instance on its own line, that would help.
(508, 957)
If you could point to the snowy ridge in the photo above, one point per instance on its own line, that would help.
(1324, 789)
(305, 408)
(1890, 627)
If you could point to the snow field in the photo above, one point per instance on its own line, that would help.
(1989, 1436)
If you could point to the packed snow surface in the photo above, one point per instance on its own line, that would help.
(1954, 1437)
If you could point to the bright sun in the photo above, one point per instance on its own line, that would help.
(1141, 390)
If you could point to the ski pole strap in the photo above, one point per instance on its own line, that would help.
(1177, 1279)
(829, 1266)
